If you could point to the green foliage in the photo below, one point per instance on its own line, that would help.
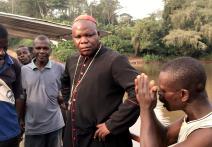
(63, 50)
(120, 38)
(182, 19)
(116, 43)
(192, 17)
(184, 42)
(15, 42)
(190, 31)
(185, 27)
(206, 31)
(123, 31)
(107, 11)
(5, 7)
(26, 42)
(207, 56)
(150, 58)
(148, 32)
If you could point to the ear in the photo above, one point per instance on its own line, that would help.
(184, 95)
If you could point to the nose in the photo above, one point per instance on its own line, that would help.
(22, 55)
(42, 50)
(84, 39)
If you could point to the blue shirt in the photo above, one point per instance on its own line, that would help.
(10, 74)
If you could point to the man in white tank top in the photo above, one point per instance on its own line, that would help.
(181, 86)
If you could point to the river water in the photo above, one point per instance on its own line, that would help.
(165, 116)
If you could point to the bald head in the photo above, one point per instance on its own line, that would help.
(84, 24)
(85, 17)
(83, 21)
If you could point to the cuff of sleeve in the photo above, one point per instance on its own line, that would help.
(109, 126)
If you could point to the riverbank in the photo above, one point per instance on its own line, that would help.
(139, 61)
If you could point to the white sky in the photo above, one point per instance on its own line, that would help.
(140, 8)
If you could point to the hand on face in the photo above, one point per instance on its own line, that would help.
(145, 92)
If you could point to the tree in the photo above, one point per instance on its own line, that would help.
(77, 7)
(5, 6)
(184, 42)
(206, 32)
(33, 8)
(148, 31)
(108, 11)
(136, 44)
(188, 25)
(116, 43)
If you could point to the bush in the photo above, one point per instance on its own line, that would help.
(15, 42)
(63, 50)
(116, 43)
(150, 58)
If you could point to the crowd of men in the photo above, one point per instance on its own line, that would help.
(92, 85)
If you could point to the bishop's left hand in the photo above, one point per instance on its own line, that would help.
(101, 132)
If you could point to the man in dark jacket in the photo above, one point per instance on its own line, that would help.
(97, 78)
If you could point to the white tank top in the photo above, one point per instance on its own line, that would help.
(188, 127)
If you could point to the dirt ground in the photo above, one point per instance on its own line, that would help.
(11, 53)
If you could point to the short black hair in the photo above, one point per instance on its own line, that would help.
(188, 73)
(3, 32)
(41, 37)
(22, 46)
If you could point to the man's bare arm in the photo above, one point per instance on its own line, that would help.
(153, 133)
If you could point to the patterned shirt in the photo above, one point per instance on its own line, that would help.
(10, 73)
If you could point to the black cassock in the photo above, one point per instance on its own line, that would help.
(98, 99)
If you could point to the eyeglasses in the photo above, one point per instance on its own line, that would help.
(44, 48)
